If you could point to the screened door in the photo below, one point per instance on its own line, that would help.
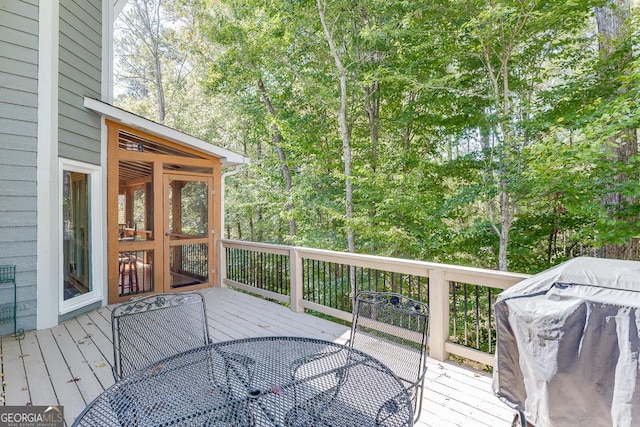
(188, 226)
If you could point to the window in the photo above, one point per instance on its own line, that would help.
(80, 254)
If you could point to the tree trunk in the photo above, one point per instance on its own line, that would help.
(344, 131)
(277, 139)
(159, 89)
(151, 19)
(499, 83)
(372, 109)
(505, 226)
(611, 20)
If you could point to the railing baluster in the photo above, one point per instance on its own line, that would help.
(306, 294)
(245, 267)
(236, 260)
(489, 332)
(282, 270)
(477, 317)
(233, 270)
(262, 264)
(286, 278)
(330, 273)
(274, 273)
(270, 273)
(309, 294)
(260, 269)
(466, 315)
(254, 275)
(454, 285)
(376, 280)
(338, 281)
(316, 273)
(323, 283)
(254, 269)
(333, 267)
(339, 304)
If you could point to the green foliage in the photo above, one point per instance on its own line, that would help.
(452, 105)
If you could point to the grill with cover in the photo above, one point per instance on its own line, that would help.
(568, 349)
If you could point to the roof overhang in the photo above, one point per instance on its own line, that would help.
(118, 115)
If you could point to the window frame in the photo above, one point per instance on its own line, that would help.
(96, 226)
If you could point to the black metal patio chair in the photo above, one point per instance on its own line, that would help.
(394, 329)
(155, 327)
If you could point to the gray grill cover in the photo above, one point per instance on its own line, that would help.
(568, 349)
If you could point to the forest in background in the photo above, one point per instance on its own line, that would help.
(497, 134)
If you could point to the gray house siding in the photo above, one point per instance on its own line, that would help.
(18, 145)
(80, 53)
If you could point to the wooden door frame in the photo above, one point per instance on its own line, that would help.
(192, 177)
(196, 159)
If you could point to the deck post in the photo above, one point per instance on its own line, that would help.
(296, 280)
(222, 264)
(439, 315)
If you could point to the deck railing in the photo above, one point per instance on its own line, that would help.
(460, 298)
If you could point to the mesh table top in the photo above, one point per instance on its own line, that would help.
(267, 381)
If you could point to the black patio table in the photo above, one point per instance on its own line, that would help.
(266, 381)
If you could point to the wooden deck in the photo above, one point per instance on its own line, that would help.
(70, 364)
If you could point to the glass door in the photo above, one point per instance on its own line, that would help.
(80, 254)
(188, 224)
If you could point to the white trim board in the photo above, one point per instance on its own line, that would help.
(47, 166)
(228, 158)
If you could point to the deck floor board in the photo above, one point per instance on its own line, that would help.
(41, 368)
(81, 372)
(101, 341)
(16, 388)
(66, 389)
(94, 358)
(35, 369)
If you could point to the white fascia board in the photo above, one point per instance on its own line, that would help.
(228, 158)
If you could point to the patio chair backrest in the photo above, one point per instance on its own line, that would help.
(155, 327)
(394, 329)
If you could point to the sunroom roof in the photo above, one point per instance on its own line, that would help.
(228, 157)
